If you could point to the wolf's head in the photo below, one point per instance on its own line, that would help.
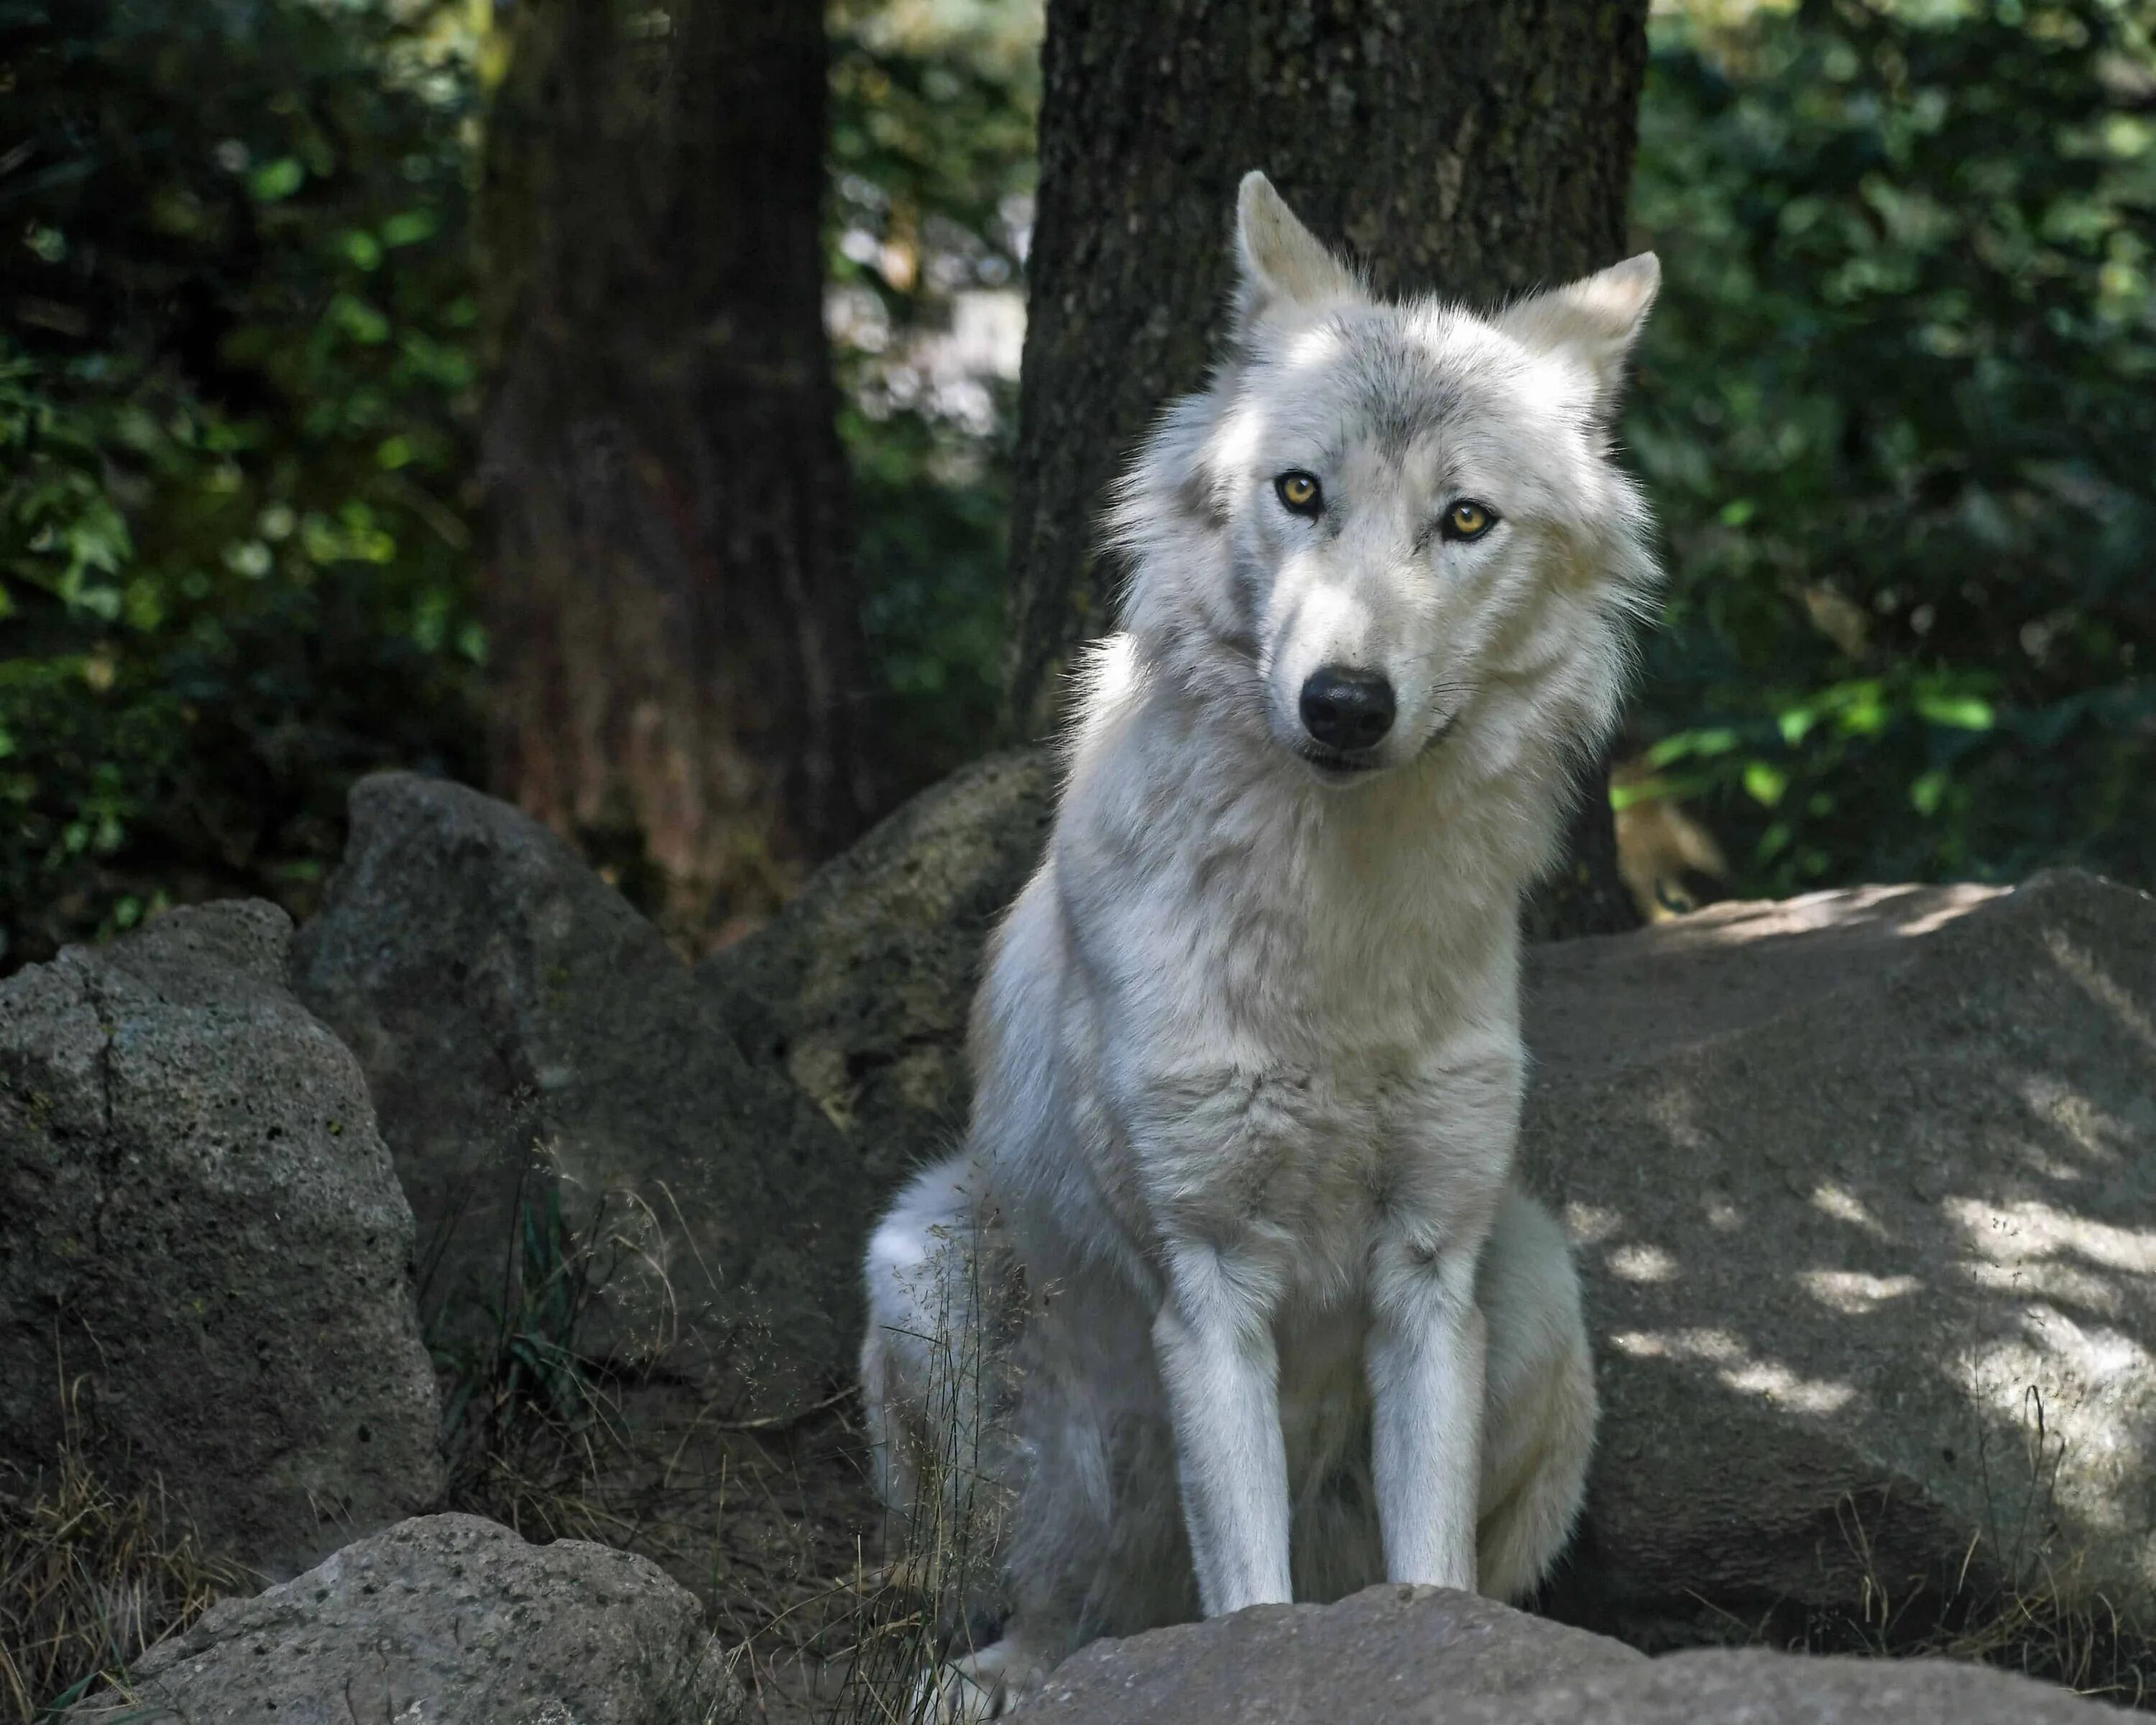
(1383, 526)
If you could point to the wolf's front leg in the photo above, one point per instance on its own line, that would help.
(1213, 1339)
(1425, 1356)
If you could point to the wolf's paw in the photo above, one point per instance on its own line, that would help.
(991, 1684)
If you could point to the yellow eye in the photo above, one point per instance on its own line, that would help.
(1300, 492)
(1468, 521)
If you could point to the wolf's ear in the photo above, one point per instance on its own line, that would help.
(1594, 320)
(1278, 263)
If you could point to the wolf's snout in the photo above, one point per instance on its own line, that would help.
(1346, 709)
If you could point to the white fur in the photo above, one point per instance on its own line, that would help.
(1235, 1210)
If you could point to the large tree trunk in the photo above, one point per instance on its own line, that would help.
(1473, 146)
(675, 643)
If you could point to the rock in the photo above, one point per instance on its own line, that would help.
(1375, 1656)
(1756, 1687)
(1397, 1655)
(525, 1033)
(1864, 1185)
(202, 1234)
(1864, 1188)
(859, 988)
(446, 1618)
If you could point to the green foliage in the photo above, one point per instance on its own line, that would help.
(933, 110)
(524, 1420)
(1896, 408)
(524, 1363)
(234, 418)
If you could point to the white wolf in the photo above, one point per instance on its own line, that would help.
(1247, 1056)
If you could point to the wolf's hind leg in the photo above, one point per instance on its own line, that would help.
(1540, 1406)
(933, 1375)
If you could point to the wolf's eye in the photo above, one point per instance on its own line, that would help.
(1469, 520)
(1300, 492)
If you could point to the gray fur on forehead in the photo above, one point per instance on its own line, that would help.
(1402, 372)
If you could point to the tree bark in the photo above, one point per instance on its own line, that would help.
(675, 636)
(1473, 146)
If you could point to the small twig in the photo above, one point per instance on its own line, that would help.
(780, 1422)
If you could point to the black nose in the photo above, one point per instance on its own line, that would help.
(1346, 709)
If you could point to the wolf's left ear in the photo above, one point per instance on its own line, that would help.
(1594, 320)
(1280, 264)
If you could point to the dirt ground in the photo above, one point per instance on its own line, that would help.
(774, 1525)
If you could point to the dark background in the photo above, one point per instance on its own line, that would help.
(366, 399)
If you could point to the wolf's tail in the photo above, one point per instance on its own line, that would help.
(1541, 1399)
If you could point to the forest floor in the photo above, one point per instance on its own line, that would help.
(773, 1525)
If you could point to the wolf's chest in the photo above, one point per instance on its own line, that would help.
(1287, 1165)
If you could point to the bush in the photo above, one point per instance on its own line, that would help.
(235, 417)
(1896, 407)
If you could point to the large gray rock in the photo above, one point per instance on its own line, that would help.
(201, 1235)
(859, 988)
(524, 1033)
(1864, 1188)
(443, 1621)
(1393, 1655)
(1864, 1185)
(1380, 1655)
(1762, 1688)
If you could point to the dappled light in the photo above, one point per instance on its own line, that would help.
(1855, 1291)
(1924, 1250)
(1736, 1368)
(564, 562)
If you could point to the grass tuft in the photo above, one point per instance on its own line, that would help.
(923, 1609)
(90, 1578)
(2018, 1599)
(528, 1422)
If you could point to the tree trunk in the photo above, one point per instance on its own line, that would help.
(676, 657)
(1472, 147)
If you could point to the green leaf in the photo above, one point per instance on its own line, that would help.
(1717, 741)
(1928, 792)
(274, 182)
(1964, 712)
(1764, 783)
(410, 228)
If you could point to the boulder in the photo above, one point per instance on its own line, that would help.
(1753, 1687)
(1864, 1190)
(1864, 1185)
(446, 1618)
(858, 989)
(1399, 1656)
(528, 1037)
(1377, 1656)
(205, 1261)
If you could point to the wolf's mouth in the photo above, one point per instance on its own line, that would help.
(1336, 768)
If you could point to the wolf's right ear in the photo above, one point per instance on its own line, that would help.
(1280, 264)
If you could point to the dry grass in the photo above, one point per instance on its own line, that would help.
(528, 1424)
(914, 1614)
(2017, 1601)
(90, 1578)
(773, 1522)
(765, 1520)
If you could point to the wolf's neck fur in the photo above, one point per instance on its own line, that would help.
(1372, 908)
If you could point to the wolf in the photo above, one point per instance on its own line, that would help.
(1255, 1307)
